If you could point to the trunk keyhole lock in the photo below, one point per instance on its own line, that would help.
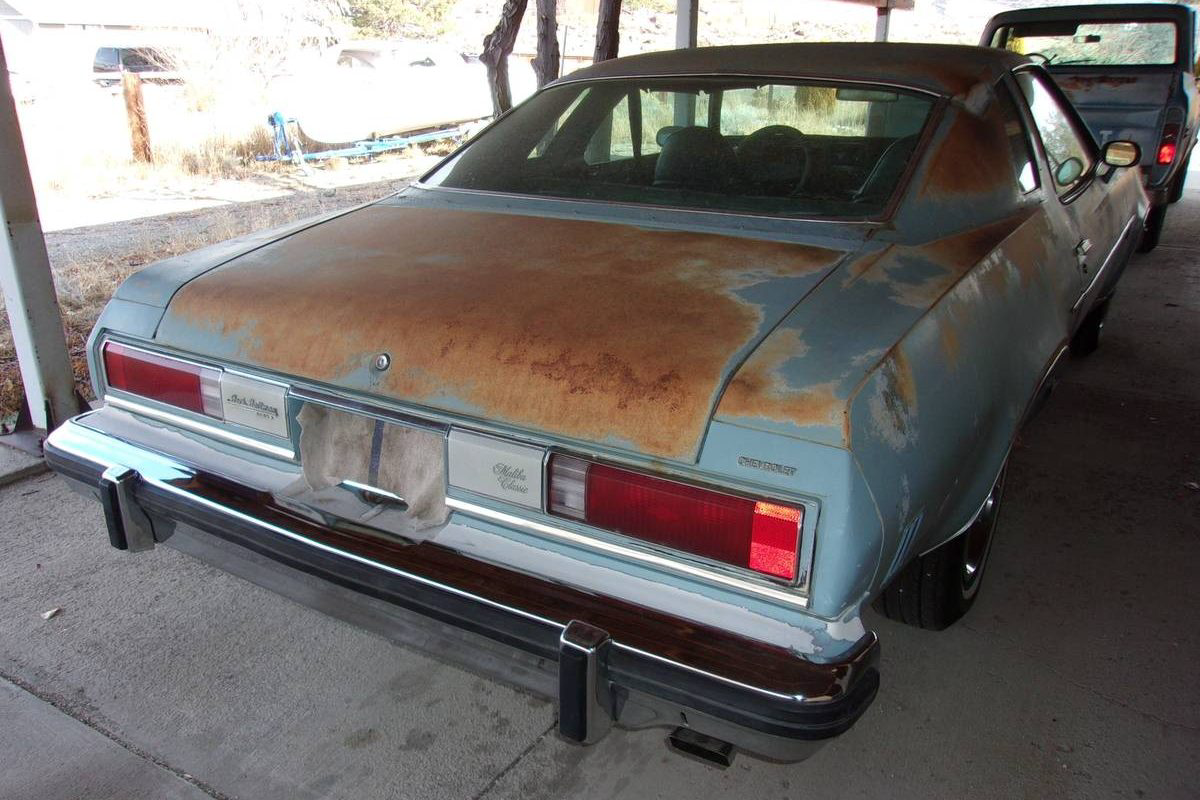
(381, 362)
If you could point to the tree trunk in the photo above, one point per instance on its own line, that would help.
(546, 65)
(135, 110)
(608, 37)
(497, 46)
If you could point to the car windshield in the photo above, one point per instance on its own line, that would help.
(768, 147)
(1091, 43)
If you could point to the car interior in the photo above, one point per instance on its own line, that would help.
(832, 152)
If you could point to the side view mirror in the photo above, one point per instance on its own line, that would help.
(1121, 154)
(1068, 171)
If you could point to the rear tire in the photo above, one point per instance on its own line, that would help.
(1153, 229)
(1087, 337)
(937, 589)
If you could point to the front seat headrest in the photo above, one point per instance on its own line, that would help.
(695, 158)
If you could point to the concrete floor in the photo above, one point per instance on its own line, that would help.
(1074, 675)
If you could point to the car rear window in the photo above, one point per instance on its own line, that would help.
(1091, 43)
(779, 148)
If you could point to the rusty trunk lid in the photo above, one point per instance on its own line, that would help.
(594, 331)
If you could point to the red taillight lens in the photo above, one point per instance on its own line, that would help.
(1168, 144)
(167, 380)
(758, 535)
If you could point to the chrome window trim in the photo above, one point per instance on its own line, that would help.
(631, 553)
(871, 221)
(117, 399)
(795, 77)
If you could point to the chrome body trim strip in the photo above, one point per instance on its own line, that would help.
(216, 432)
(343, 403)
(631, 553)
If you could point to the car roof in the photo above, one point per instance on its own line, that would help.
(937, 68)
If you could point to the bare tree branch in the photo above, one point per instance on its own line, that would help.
(608, 37)
(546, 65)
(497, 46)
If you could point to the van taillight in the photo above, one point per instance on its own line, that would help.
(1168, 144)
(167, 380)
(755, 534)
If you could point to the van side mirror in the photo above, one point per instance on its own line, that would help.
(1121, 154)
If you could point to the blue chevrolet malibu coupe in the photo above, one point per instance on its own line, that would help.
(654, 385)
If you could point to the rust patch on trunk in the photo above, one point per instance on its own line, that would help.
(594, 331)
(761, 390)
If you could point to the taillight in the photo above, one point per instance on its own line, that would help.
(1168, 144)
(167, 380)
(754, 534)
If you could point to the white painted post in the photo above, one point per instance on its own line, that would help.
(28, 288)
(883, 18)
(687, 19)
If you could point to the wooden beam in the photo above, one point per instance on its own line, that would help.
(608, 36)
(135, 110)
(497, 46)
(548, 61)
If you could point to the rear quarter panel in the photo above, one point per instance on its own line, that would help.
(932, 424)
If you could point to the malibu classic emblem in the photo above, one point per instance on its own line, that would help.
(496, 468)
(255, 404)
(510, 478)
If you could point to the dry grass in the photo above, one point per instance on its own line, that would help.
(83, 289)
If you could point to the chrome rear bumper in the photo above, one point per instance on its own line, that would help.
(617, 663)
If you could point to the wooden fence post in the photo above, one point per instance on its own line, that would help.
(135, 110)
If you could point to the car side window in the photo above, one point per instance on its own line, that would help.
(1067, 150)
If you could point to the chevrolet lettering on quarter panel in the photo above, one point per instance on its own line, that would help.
(255, 404)
(496, 468)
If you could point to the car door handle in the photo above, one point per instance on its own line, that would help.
(1081, 250)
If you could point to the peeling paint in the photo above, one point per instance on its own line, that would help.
(893, 405)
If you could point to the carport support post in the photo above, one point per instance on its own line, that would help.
(687, 17)
(28, 287)
(883, 18)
